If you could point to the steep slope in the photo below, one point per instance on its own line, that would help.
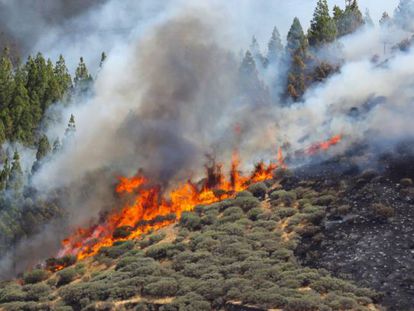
(237, 254)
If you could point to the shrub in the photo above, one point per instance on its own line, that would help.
(35, 276)
(381, 211)
(303, 304)
(232, 214)
(258, 190)
(36, 292)
(12, 292)
(243, 194)
(191, 221)
(406, 182)
(286, 212)
(163, 288)
(66, 276)
(122, 232)
(118, 249)
(285, 197)
(246, 203)
(254, 213)
(190, 302)
(53, 264)
(152, 239)
(324, 200)
(161, 251)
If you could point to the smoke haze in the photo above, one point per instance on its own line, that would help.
(168, 94)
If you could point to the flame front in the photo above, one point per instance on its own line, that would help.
(151, 206)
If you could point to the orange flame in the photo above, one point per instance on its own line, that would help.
(151, 207)
(325, 145)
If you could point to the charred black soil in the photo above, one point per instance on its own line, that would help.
(368, 229)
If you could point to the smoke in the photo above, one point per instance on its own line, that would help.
(170, 94)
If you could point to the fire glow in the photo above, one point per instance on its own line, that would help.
(152, 209)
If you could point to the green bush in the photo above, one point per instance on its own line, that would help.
(324, 200)
(243, 194)
(122, 232)
(36, 292)
(152, 239)
(258, 190)
(35, 276)
(191, 221)
(246, 203)
(66, 276)
(285, 197)
(12, 292)
(161, 251)
(286, 212)
(254, 213)
(118, 249)
(165, 287)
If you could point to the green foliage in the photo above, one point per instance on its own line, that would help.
(35, 276)
(349, 20)
(296, 39)
(166, 287)
(259, 190)
(117, 249)
(66, 276)
(323, 28)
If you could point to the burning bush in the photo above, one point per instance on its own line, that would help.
(56, 264)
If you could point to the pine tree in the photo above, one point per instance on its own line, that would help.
(297, 50)
(251, 86)
(296, 38)
(71, 129)
(4, 174)
(323, 29)
(43, 150)
(16, 181)
(257, 54)
(367, 19)
(275, 47)
(62, 76)
(404, 14)
(385, 20)
(82, 77)
(349, 20)
(56, 145)
(20, 112)
(6, 80)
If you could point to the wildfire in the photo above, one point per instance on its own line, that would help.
(153, 209)
(325, 145)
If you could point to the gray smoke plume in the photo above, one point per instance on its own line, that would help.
(171, 95)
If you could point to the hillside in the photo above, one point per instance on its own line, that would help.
(238, 254)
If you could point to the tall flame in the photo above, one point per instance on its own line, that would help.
(151, 207)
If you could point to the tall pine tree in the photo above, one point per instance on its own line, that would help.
(323, 28)
(82, 77)
(275, 47)
(297, 50)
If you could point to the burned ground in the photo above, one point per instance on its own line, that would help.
(368, 230)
